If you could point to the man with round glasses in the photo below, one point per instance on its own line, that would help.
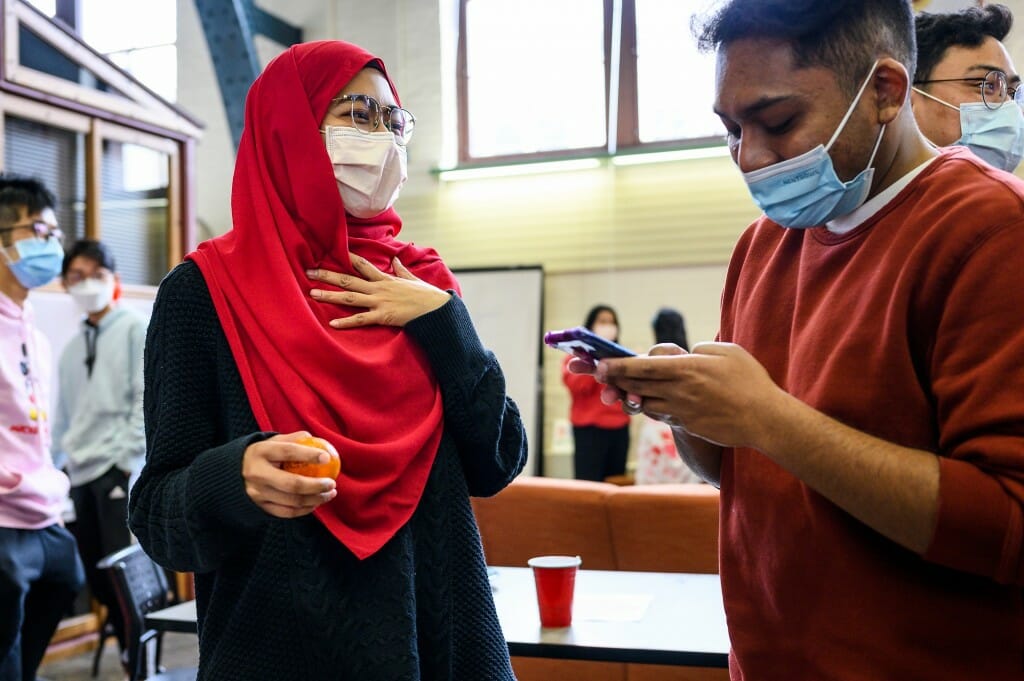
(40, 572)
(966, 89)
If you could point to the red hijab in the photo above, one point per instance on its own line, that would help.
(369, 391)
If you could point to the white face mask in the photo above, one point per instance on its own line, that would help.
(607, 331)
(370, 168)
(93, 295)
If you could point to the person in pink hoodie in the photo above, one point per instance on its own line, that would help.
(40, 572)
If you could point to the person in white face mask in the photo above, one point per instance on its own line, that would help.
(600, 431)
(99, 434)
(966, 88)
(312, 318)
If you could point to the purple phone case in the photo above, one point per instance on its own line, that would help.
(585, 344)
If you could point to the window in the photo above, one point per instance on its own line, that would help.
(134, 209)
(522, 100)
(148, 50)
(57, 157)
(675, 81)
(535, 77)
(47, 7)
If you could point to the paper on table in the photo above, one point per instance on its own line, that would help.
(611, 607)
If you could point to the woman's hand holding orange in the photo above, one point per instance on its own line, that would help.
(390, 300)
(275, 490)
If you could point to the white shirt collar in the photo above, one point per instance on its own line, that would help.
(850, 221)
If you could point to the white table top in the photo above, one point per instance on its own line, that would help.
(618, 616)
(647, 617)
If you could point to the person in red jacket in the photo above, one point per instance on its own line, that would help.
(863, 408)
(600, 431)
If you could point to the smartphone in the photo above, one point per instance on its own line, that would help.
(585, 344)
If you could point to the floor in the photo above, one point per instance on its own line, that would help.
(180, 650)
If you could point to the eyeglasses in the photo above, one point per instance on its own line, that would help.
(367, 114)
(995, 89)
(43, 230)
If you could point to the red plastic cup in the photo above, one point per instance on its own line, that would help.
(555, 578)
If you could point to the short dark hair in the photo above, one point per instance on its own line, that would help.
(19, 190)
(92, 249)
(846, 36)
(670, 327)
(936, 33)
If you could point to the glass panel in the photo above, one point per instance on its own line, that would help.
(156, 67)
(57, 157)
(104, 22)
(147, 51)
(134, 212)
(36, 53)
(676, 83)
(47, 7)
(525, 100)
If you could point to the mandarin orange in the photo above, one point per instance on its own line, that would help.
(331, 469)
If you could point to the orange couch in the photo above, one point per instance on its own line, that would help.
(662, 528)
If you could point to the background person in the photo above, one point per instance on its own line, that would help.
(966, 88)
(40, 573)
(864, 410)
(657, 460)
(600, 431)
(98, 430)
(378, 574)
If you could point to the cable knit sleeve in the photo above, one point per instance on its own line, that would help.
(189, 508)
(478, 414)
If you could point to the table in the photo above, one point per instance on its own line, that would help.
(682, 624)
(180, 618)
(640, 617)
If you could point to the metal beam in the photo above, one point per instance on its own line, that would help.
(270, 26)
(229, 26)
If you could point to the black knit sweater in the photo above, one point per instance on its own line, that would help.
(283, 599)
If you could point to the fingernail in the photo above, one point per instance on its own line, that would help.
(312, 273)
(316, 293)
(323, 457)
(335, 323)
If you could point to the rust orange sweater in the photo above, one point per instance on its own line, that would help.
(910, 328)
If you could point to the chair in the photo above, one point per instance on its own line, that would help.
(141, 587)
(106, 631)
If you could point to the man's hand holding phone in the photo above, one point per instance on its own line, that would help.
(587, 349)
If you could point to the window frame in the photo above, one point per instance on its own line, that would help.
(627, 133)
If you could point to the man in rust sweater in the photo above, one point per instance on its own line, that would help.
(863, 412)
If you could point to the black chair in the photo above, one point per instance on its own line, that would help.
(106, 631)
(141, 587)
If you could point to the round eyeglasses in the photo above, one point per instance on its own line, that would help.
(995, 89)
(366, 115)
(43, 230)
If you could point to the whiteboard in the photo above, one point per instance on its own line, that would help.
(59, 319)
(506, 305)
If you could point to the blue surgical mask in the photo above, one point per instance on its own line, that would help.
(804, 191)
(996, 136)
(39, 261)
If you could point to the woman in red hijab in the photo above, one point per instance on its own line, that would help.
(310, 317)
